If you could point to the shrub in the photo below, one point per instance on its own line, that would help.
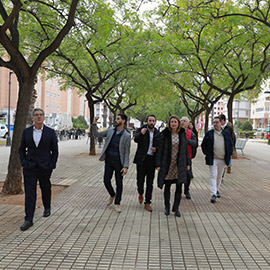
(246, 126)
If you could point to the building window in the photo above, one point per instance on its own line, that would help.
(259, 109)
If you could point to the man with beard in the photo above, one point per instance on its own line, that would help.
(147, 140)
(116, 155)
(225, 125)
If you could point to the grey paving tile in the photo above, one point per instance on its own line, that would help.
(82, 233)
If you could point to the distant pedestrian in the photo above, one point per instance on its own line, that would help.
(228, 126)
(146, 138)
(217, 146)
(78, 133)
(115, 152)
(161, 127)
(38, 155)
(192, 144)
(172, 162)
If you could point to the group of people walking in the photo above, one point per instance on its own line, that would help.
(169, 152)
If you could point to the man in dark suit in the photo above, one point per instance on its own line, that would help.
(147, 139)
(38, 154)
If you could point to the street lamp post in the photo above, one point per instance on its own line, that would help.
(9, 87)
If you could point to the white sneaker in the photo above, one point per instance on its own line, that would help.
(117, 208)
(110, 201)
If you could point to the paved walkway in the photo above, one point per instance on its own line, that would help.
(82, 233)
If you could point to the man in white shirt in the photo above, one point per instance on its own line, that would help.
(147, 139)
(38, 155)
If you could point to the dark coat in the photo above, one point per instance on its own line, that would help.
(143, 144)
(45, 155)
(163, 159)
(208, 146)
(231, 131)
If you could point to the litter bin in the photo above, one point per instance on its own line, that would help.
(267, 136)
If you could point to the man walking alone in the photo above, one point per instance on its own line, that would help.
(145, 158)
(38, 154)
(116, 155)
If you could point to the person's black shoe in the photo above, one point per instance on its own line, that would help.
(47, 212)
(188, 196)
(177, 213)
(213, 199)
(218, 194)
(167, 211)
(26, 225)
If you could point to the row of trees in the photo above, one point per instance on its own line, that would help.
(181, 57)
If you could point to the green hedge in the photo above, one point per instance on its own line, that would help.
(242, 134)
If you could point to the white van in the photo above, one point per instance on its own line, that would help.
(3, 131)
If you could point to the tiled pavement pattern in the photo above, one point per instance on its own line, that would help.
(82, 233)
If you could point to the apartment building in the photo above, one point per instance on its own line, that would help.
(59, 106)
(240, 111)
(260, 111)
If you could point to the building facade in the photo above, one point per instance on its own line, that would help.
(59, 106)
(260, 112)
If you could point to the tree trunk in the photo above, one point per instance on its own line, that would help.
(29, 120)
(192, 119)
(105, 115)
(91, 103)
(110, 119)
(13, 181)
(206, 122)
(229, 107)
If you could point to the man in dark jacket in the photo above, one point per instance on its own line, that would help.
(229, 128)
(115, 153)
(217, 146)
(147, 140)
(38, 154)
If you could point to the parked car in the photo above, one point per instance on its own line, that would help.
(3, 131)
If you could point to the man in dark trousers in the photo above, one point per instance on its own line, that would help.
(229, 128)
(115, 153)
(147, 140)
(38, 154)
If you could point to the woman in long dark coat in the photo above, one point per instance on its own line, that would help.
(172, 162)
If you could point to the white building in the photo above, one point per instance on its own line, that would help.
(104, 114)
(241, 110)
(260, 111)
